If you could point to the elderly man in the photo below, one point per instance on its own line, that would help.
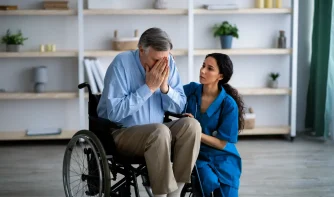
(139, 87)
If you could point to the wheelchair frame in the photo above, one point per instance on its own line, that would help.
(104, 156)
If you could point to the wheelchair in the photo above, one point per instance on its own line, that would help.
(91, 161)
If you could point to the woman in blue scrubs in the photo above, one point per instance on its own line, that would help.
(219, 109)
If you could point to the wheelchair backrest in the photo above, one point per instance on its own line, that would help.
(93, 100)
(92, 104)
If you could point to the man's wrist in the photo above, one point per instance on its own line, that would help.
(165, 89)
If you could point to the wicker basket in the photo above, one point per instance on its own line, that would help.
(124, 44)
(249, 119)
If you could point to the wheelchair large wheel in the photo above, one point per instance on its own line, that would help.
(85, 167)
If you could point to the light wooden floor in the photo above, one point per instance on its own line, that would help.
(272, 167)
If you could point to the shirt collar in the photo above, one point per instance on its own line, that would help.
(215, 104)
(140, 67)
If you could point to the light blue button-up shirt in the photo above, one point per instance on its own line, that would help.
(126, 99)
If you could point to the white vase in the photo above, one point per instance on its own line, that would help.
(273, 84)
(40, 78)
(160, 4)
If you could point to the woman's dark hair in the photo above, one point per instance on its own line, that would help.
(225, 66)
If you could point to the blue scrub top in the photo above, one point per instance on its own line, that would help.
(226, 163)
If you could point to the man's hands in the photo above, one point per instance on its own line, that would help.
(164, 86)
(158, 76)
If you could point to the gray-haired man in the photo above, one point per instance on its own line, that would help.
(139, 87)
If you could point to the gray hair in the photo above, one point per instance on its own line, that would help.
(155, 38)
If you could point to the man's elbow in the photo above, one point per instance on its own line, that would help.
(114, 117)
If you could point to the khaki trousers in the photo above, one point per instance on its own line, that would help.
(155, 142)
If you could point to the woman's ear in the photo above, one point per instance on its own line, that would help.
(221, 76)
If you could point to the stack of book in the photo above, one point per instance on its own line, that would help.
(55, 5)
(226, 5)
(8, 7)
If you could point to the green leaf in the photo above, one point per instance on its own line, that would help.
(13, 39)
(225, 28)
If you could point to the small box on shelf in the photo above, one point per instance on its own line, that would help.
(123, 44)
(249, 119)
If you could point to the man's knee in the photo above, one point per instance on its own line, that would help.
(193, 126)
(161, 132)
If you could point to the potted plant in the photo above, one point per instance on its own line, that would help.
(273, 83)
(226, 32)
(13, 41)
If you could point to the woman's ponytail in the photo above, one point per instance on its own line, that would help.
(235, 95)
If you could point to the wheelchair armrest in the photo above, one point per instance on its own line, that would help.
(167, 114)
(102, 124)
(174, 115)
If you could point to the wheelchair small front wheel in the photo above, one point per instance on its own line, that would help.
(85, 167)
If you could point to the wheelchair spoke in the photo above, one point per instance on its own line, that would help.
(76, 186)
(83, 147)
(77, 160)
(74, 171)
(75, 181)
(82, 189)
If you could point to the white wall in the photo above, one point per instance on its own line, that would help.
(256, 31)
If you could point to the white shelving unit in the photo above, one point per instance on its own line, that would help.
(189, 52)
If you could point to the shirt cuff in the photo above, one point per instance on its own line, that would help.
(144, 92)
(170, 93)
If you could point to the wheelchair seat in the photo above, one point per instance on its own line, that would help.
(100, 159)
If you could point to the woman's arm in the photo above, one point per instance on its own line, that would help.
(210, 140)
(213, 141)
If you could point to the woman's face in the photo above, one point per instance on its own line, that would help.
(209, 73)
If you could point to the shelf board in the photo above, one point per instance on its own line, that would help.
(266, 131)
(245, 11)
(24, 54)
(264, 91)
(249, 51)
(21, 135)
(28, 95)
(37, 12)
(256, 91)
(177, 52)
(136, 12)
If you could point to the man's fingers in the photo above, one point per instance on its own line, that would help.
(166, 72)
(163, 64)
(157, 64)
(147, 69)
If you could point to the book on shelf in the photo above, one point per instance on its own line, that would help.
(8, 7)
(226, 5)
(95, 73)
(55, 5)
